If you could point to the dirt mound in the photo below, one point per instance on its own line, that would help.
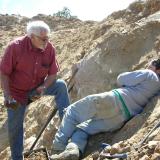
(137, 10)
(125, 40)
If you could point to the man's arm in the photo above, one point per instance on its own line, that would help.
(5, 84)
(132, 78)
(9, 101)
(7, 65)
(48, 81)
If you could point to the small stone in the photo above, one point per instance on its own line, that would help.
(155, 156)
(114, 149)
(125, 149)
(145, 157)
(157, 148)
(107, 149)
(95, 155)
(152, 144)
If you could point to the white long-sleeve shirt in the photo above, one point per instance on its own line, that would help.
(137, 88)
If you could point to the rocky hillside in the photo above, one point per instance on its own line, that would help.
(124, 41)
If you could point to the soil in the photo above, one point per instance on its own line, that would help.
(40, 154)
(125, 39)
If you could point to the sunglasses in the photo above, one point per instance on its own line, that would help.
(44, 39)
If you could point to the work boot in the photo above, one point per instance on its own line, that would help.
(57, 147)
(53, 151)
(70, 153)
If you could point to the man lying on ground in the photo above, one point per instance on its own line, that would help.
(106, 111)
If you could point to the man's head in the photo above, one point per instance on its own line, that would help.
(38, 31)
(154, 65)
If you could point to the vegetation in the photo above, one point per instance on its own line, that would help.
(66, 13)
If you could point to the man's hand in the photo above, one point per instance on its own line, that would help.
(10, 102)
(37, 93)
(40, 90)
(34, 97)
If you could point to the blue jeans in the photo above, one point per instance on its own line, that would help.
(90, 115)
(16, 117)
(59, 90)
(15, 131)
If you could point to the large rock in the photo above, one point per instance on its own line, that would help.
(121, 49)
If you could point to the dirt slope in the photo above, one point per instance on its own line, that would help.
(125, 40)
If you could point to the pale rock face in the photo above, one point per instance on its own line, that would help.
(115, 53)
(145, 157)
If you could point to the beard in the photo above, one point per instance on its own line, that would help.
(43, 46)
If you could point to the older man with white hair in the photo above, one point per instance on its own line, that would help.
(29, 67)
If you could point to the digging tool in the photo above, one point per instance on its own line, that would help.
(109, 156)
(74, 73)
(49, 118)
(147, 135)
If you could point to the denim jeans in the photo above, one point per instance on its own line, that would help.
(59, 90)
(15, 131)
(88, 116)
(16, 117)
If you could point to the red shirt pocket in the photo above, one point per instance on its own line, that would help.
(43, 71)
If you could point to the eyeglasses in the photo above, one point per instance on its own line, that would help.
(44, 39)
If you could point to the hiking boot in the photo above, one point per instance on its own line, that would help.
(57, 148)
(53, 151)
(71, 153)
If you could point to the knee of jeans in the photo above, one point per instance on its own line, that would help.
(61, 85)
(69, 110)
(71, 114)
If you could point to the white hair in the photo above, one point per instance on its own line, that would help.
(36, 27)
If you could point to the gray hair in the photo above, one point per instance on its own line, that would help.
(36, 27)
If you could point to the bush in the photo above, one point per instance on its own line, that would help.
(66, 13)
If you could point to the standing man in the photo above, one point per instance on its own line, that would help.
(106, 111)
(29, 66)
